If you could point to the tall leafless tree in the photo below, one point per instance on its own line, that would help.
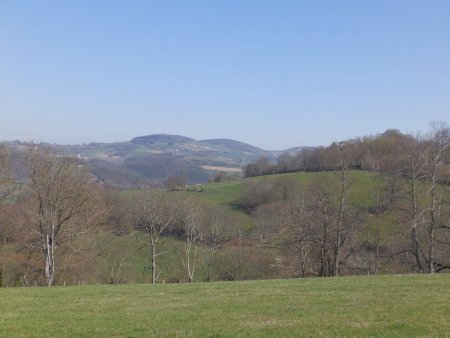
(413, 151)
(343, 161)
(193, 221)
(154, 211)
(297, 216)
(216, 230)
(437, 154)
(61, 203)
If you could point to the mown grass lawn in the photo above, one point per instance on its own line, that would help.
(416, 305)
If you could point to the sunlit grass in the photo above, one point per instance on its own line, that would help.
(347, 306)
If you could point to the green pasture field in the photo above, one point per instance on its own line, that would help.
(228, 192)
(389, 306)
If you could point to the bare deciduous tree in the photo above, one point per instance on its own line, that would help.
(322, 226)
(437, 154)
(61, 209)
(256, 193)
(298, 218)
(193, 222)
(154, 211)
(216, 229)
(343, 161)
(415, 169)
(267, 220)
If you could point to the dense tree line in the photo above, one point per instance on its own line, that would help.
(390, 152)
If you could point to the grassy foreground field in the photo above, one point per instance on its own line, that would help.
(345, 306)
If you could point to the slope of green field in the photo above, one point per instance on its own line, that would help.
(415, 305)
(228, 192)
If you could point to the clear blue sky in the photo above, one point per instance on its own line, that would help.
(275, 74)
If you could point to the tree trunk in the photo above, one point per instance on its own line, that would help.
(339, 226)
(377, 246)
(49, 254)
(432, 224)
(323, 258)
(190, 263)
(190, 269)
(208, 272)
(415, 246)
(377, 249)
(153, 246)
